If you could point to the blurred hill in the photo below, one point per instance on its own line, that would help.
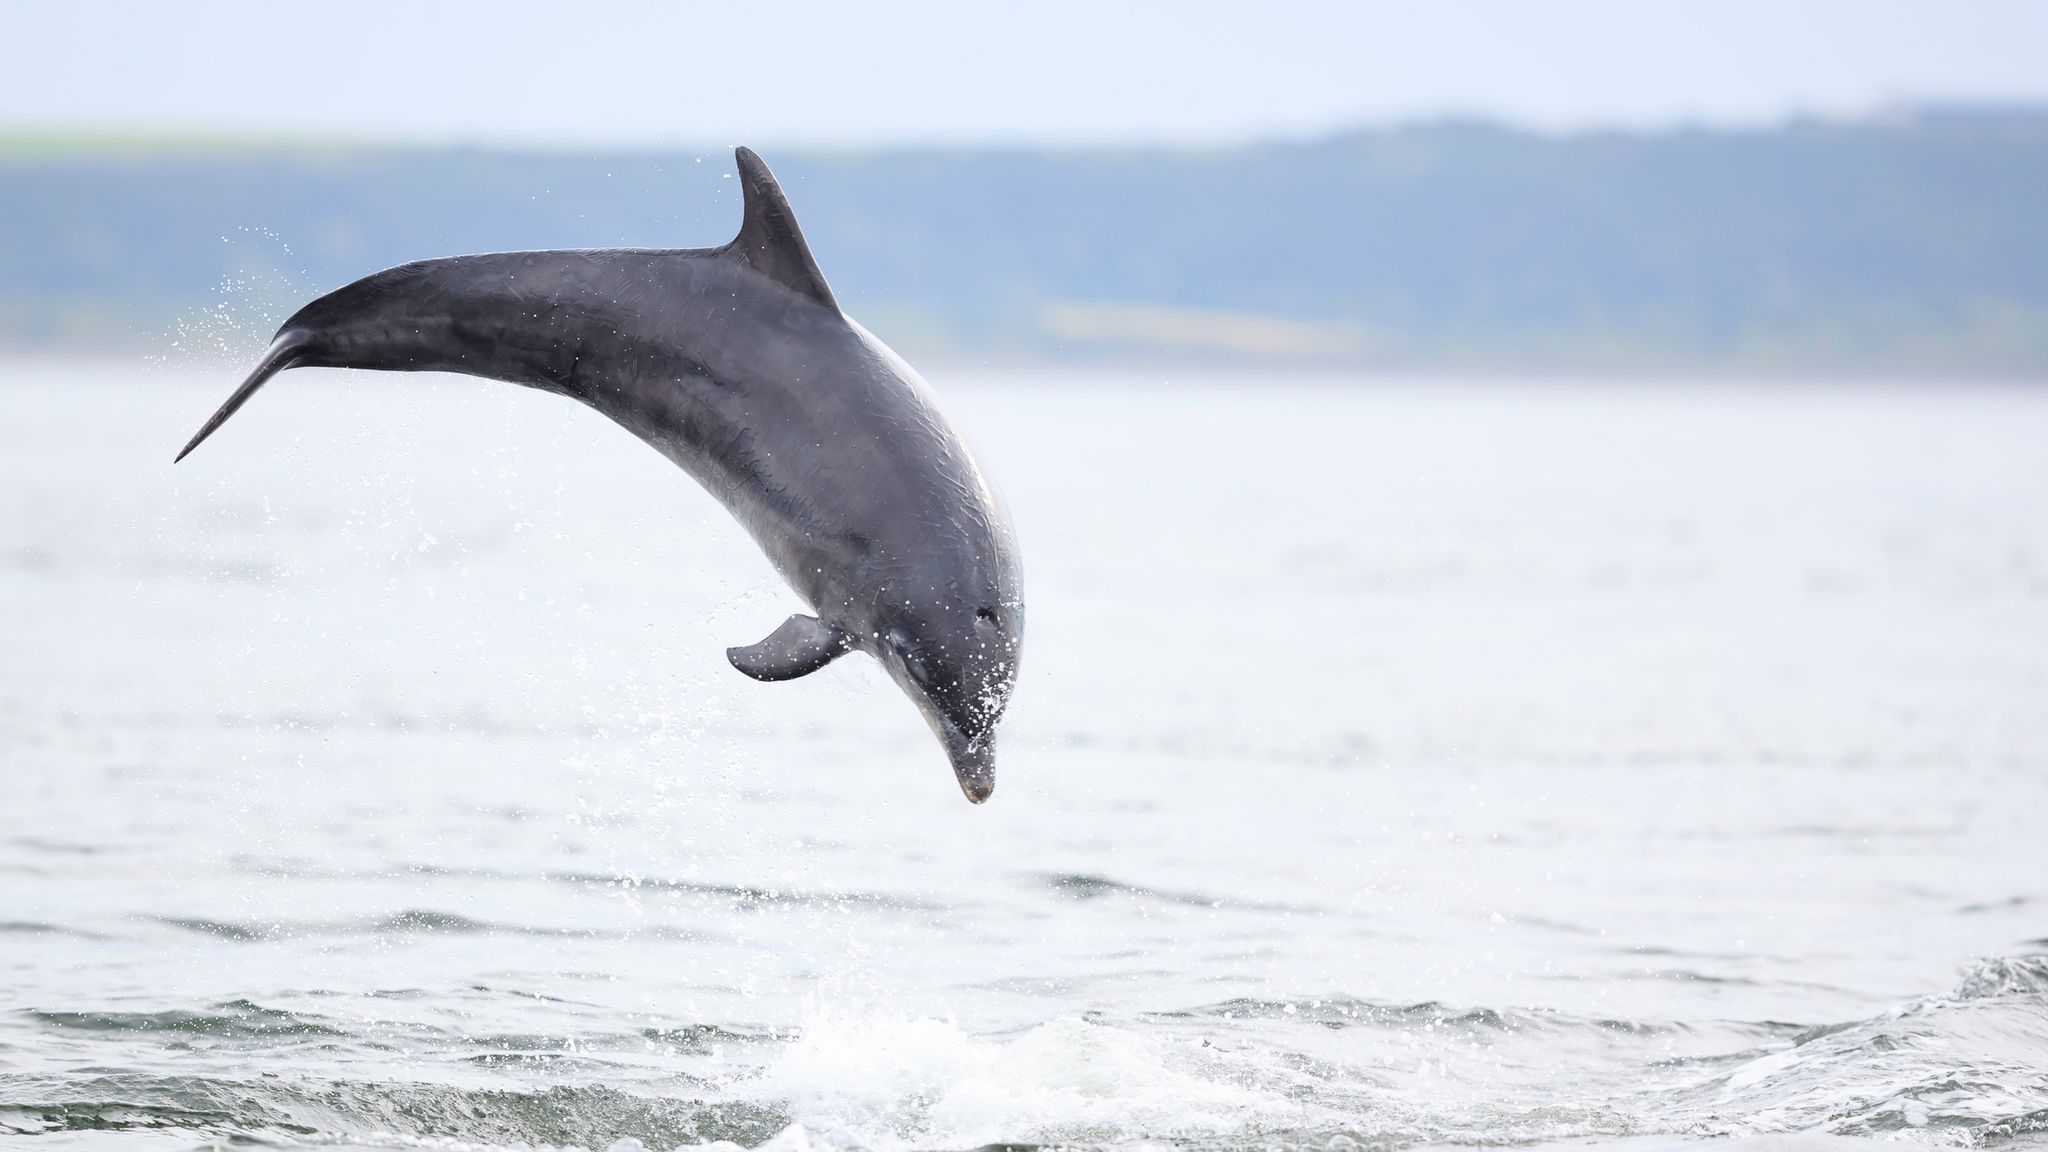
(1913, 243)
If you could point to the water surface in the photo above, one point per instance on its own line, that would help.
(1395, 764)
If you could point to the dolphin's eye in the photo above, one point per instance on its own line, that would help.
(985, 615)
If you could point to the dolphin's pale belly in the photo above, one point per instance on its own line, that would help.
(799, 539)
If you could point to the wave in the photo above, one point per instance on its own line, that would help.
(1338, 1012)
(412, 922)
(741, 896)
(1087, 886)
(372, 1112)
(863, 1081)
(2004, 976)
(1968, 1068)
(39, 928)
(239, 1019)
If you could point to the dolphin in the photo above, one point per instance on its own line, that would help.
(737, 364)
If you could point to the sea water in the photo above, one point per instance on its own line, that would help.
(1394, 763)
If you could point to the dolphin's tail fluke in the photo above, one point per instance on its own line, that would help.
(282, 354)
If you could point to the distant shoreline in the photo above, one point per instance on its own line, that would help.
(1908, 244)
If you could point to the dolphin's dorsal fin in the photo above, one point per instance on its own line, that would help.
(769, 241)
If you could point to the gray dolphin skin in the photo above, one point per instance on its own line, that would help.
(737, 364)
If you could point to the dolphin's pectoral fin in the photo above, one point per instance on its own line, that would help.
(800, 647)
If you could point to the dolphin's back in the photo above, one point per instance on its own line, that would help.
(827, 447)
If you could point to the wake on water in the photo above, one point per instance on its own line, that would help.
(1961, 1069)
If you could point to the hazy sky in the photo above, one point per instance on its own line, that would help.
(867, 71)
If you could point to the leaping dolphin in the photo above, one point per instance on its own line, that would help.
(737, 364)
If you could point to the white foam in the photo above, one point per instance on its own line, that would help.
(874, 1080)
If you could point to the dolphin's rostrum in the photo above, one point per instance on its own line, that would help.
(737, 364)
